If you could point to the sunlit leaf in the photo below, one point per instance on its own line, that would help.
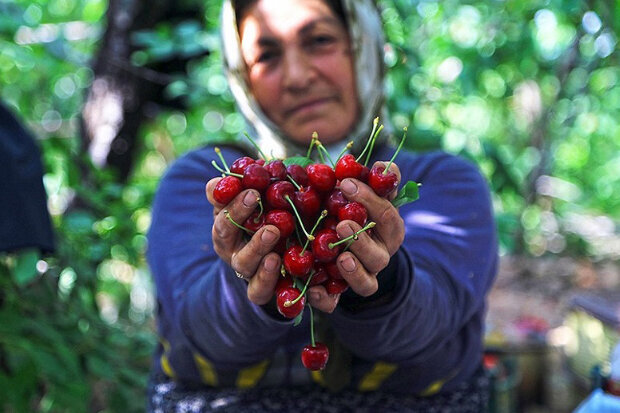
(408, 193)
(298, 160)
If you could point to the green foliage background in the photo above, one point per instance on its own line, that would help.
(527, 89)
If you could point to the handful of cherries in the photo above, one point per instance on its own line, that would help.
(303, 200)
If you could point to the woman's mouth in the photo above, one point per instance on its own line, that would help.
(308, 106)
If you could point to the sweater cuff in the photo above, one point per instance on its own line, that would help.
(394, 280)
(204, 316)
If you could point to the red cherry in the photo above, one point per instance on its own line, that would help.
(256, 177)
(307, 201)
(332, 270)
(239, 165)
(330, 223)
(353, 211)
(382, 183)
(321, 177)
(227, 189)
(335, 201)
(364, 175)
(276, 169)
(284, 282)
(295, 263)
(261, 162)
(298, 173)
(281, 247)
(315, 357)
(320, 245)
(276, 193)
(333, 286)
(283, 220)
(255, 221)
(287, 295)
(348, 167)
(320, 275)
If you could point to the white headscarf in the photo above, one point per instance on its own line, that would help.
(367, 43)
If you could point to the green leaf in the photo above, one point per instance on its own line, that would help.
(298, 160)
(26, 267)
(408, 193)
(297, 319)
(299, 284)
(99, 368)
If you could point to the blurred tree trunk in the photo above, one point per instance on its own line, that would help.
(122, 95)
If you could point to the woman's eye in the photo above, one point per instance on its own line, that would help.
(322, 40)
(266, 56)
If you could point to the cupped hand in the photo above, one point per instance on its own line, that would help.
(369, 254)
(253, 259)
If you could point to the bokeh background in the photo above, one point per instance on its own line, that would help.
(115, 90)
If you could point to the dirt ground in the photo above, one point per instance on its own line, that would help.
(526, 323)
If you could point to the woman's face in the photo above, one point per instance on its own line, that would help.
(300, 68)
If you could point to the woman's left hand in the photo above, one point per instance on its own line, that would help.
(369, 254)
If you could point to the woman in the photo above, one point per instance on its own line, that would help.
(407, 335)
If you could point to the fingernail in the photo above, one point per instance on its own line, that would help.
(268, 236)
(249, 199)
(315, 296)
(348, 187)
(271, 263)
(348, 264)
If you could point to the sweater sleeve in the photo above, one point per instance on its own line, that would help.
(441, 273)
(202, 305)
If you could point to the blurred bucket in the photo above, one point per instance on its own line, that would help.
(594, 322)
(503, 371)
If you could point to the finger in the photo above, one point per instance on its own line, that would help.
(319, 299)
(247, 259)
(372, 254)
(209, 187)
(359, 279)
(263, 282)
(390, 228)
(226, 235)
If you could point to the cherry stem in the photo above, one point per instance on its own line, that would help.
(289, 303)
(249, 231)
(311, 326)
(260, 207)
(346, 247)
(290, 178)
(219, 154)
(372, 144)
(282, 271)
(256, 146)
(216, 166)
(309, 236)
(351, 237)
(317, 142)
(346, 148)
(375, 122)
(320, 147)
(402, 141)
(318, 221)
(298, 236)
(315, 137)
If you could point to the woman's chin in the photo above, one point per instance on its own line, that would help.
(326, 136)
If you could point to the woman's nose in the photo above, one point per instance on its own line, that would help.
(298, 70)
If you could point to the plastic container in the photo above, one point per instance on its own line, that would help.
(503, 371)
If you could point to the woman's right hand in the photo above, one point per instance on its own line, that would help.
(253, 259)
